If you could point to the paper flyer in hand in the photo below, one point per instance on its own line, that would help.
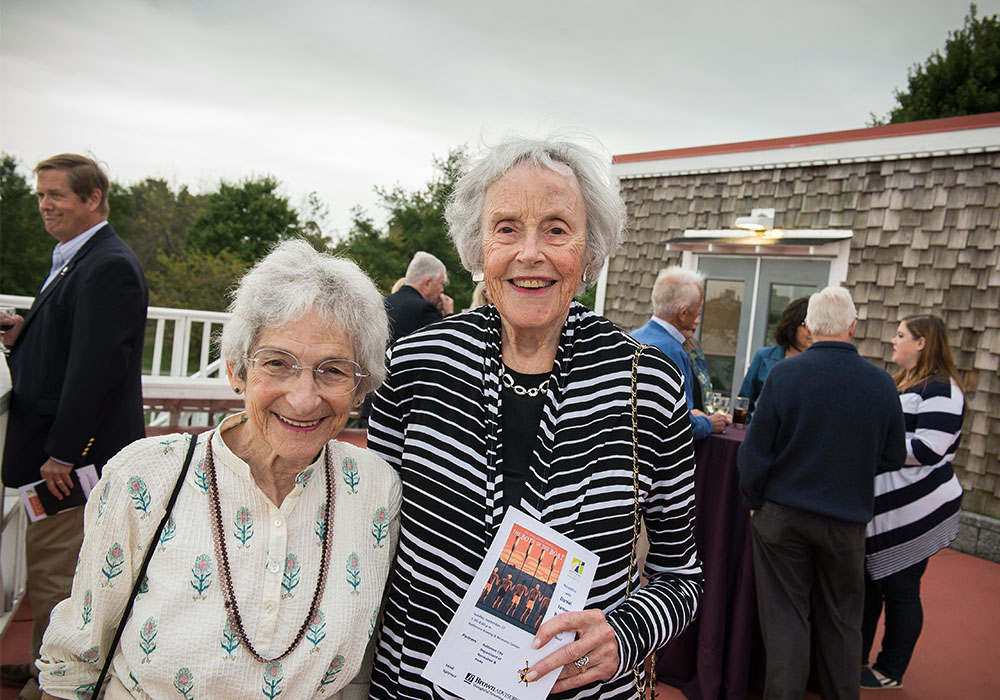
(40, 503)
(530, 574)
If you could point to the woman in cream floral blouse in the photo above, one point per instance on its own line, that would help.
(268, 575)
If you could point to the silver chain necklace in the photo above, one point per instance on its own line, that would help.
(508, 382)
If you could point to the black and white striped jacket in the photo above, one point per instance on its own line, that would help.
(436, 419)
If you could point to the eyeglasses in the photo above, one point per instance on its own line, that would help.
(335, 376)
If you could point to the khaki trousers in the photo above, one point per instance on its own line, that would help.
(51, 551)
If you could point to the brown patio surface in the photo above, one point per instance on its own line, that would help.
(956, 658)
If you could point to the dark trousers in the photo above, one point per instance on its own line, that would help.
(809, 564)
(904, 616)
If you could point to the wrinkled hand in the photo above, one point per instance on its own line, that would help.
(720, 421)
(595, 639)
(57, 478)
(446, 305)
(10, 335)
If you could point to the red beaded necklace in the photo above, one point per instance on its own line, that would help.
(222, 556)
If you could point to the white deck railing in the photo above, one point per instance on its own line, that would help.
(182, 372)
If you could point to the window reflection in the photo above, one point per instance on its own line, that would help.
(780, 296)
(720, 330)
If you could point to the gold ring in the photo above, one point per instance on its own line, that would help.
(582, 662)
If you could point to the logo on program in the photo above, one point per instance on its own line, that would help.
(469, 677)
(577, 567)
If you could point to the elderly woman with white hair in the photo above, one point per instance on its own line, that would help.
(528, 402)
(246, 593)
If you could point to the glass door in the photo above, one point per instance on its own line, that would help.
(781, 282)
(744, 298)
(725, 318)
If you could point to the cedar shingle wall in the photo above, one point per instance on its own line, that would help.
(926, 239)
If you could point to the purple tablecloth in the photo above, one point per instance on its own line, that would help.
(712, 658)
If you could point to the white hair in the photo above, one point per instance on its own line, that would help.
(422, 266)
(602, 199)
(293, 280)
(674, 289)
(831, 312)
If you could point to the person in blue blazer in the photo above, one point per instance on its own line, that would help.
(677, 302)
(792, 336)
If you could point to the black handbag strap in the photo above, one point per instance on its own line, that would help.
(145, 565)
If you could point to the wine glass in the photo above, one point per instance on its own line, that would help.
(722, 404)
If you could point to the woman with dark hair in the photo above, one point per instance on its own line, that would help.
(916, 505)
(792, 337)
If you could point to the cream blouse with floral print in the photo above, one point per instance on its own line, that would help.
(178, 642)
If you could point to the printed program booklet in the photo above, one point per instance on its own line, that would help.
(530, 574)
(40, 503)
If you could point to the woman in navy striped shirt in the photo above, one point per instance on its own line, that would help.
(916, 505)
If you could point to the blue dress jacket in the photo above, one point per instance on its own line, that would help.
(763, 360)
(656, 335)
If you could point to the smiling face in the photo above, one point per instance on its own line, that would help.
(906, 348)
(289, 422)
(534, 243)
(65, 216)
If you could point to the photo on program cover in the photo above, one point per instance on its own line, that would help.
(519, 588)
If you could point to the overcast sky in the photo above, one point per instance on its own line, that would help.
(338, 97)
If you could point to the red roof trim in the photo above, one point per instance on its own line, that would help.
(930, 126)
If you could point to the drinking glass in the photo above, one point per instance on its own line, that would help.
(722, 405)
(711, 401)
(740, 411)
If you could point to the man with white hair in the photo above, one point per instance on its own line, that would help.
(421, 300)
(826, 422)
(677, 302)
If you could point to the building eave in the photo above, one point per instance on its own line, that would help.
(936, 137)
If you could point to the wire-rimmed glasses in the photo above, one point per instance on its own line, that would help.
(335, 376)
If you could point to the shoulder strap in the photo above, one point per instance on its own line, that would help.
(145, 565)
(640, 682)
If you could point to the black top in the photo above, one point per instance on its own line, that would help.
(408, 311)
(521, 417)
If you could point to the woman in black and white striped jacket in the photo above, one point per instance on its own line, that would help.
(916, 505)
(526, 402)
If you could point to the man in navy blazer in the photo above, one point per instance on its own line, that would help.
(421, 300)
(76, 366)
(677, 301)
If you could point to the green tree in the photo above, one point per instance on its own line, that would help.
(313, 214)
(152, 219)
(193, 279)
(415, 222)
(382, 257)
(25, 246)
(247, 220)
(963, 80)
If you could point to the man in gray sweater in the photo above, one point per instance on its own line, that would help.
(826, 422)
